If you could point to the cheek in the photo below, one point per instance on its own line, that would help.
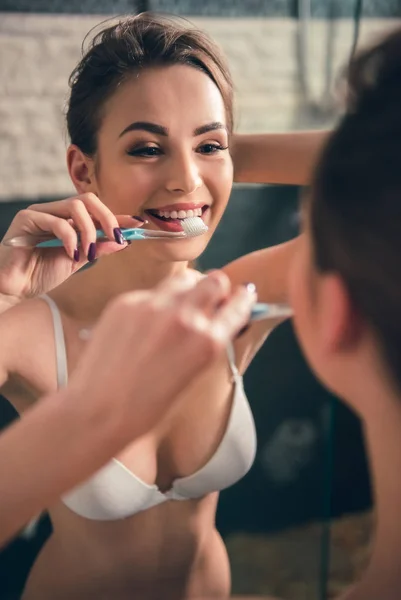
(126, 190)
(219, 181)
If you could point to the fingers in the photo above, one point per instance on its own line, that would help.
(209, 293)
(208, 315)
(84, 213)
(80, 210)
(234, 314)
(173, 290)
(41, 223)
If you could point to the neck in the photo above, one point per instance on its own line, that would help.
(85, 295)
(382, 423)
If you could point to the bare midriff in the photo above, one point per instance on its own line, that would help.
(169, 552)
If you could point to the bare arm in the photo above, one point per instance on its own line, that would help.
(287, 158)
(118, 391)
(56, 445)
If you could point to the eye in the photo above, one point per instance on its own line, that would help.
(211, 148)
(145, 151)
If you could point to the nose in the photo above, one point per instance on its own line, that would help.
(183, 175)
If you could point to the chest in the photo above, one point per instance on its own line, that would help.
(185, 438)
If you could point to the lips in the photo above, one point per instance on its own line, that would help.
(169, 218)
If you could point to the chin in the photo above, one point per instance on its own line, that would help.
(180, 251)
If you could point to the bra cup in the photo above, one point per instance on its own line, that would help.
(114, 492)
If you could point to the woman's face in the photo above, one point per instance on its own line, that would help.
(163, 154)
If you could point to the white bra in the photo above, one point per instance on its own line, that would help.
(114, 492)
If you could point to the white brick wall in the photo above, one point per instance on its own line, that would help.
(38, 52)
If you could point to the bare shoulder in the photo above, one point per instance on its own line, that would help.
(27, 350)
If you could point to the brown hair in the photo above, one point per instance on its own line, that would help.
(124, 48)
(356, 196)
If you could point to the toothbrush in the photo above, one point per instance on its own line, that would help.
(261, 311)
(194, 227)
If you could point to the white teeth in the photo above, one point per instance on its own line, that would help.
(180, 214)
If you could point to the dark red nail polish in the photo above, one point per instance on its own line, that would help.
(118, 236)
(92, 252)
(76, 255)
(139, 219)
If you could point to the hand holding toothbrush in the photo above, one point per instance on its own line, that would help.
(26, 272)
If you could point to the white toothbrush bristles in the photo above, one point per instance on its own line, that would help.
(193, 226)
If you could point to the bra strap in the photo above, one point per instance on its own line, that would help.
(61, 353)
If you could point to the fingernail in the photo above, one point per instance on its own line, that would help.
(243, 330)
(118, 236)
(250, 287)
(139, 219)
(92, 252)
(76, 255)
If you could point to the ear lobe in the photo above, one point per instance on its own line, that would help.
(339, 323)
(80, 168)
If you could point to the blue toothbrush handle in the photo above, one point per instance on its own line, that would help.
(261, 311)
(129, 234)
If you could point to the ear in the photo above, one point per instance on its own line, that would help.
(339, 322)
(82, 170)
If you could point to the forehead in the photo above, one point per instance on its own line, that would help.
(174, 96)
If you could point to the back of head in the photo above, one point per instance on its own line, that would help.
(121, 50)
(356, 196)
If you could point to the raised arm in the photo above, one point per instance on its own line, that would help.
(286, 158)
(29, 272)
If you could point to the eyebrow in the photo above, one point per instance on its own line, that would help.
(209, 127)
(160, 130)
(145, 126)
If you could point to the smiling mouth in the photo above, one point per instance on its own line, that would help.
(176, 215)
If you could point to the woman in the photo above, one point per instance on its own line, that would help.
(150, 122)
(346, 292)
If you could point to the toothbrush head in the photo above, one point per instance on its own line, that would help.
(194, 226)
